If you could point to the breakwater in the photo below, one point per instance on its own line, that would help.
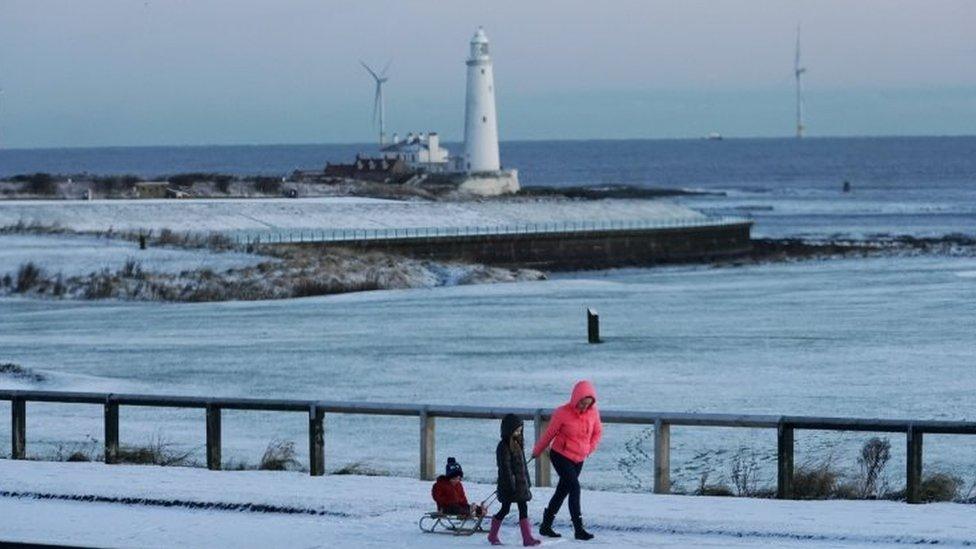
(554, 246)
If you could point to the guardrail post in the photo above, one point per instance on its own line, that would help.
(213, 437)
(913, 481)
(316, 441)
(18, 428)
(543, 468)
(111, 431)
(662, 457)
(428, 466)
(784, 461)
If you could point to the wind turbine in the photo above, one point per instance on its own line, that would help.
(378, 109)
(797, 71)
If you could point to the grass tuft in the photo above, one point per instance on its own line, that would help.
(815, 481)
(28, 276)
(279, 456)
(359, 468)
(157, 452)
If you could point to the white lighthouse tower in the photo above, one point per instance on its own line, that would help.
(480, 123)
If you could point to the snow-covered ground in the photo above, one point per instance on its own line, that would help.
(79, 255)
(884, 337)
(40, 502)
(231, 215)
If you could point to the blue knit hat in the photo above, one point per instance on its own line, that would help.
(453, 469)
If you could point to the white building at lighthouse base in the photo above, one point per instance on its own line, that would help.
(490, 183)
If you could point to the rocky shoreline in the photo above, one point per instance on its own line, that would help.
(42, 186)
(772, 250)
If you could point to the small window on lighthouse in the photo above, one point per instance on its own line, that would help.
(484, 118)
(484, 49)
(482, 71)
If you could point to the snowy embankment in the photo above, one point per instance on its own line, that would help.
(87, 267)
(326, 213)
(143, 506)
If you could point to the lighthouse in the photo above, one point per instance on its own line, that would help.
(480, 123)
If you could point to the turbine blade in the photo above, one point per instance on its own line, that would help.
(386, 67)
(796, 62)
(365, 66)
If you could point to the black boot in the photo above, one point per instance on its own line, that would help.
(545, 528)
(579, 531)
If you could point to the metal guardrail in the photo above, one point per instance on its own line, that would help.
(423, 233)
(316, 409)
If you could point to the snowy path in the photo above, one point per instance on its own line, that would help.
(352, 511)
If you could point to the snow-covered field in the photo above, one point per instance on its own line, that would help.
(354, 511)
(325, 213)
(79, 255)
(884, 337)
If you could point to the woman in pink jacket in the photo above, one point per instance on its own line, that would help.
(574, 433)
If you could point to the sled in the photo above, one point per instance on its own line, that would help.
(437, 522)
(458, 525)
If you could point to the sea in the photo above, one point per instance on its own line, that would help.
(919, 186)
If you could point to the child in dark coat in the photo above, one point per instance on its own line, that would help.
(513, 480)
(448, 492)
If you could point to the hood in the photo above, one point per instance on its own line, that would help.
(442, 479)
(582, 390)
(510, 423)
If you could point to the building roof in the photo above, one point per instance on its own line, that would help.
(404, 145)
(410, 143)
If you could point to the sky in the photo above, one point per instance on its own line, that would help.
(179, 72)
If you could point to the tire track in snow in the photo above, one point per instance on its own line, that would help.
(185, 504)
(773, 535)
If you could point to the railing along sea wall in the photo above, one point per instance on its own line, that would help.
(299, 236)
(662, 422)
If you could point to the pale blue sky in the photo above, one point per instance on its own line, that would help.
(104, 72)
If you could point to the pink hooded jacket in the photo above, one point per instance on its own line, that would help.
(573, 434)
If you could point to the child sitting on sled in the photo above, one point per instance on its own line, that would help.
(448, 492)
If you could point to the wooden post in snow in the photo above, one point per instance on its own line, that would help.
(213, 437)
(592, 326)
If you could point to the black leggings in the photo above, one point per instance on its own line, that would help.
(569, 472)
(507, 506)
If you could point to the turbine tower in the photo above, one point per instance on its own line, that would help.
(378, 109)
(797, 72)
(1, 118)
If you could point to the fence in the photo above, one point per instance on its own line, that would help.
(785, 427)
(412, 233)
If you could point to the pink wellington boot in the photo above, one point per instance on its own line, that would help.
(493, 532)
(527, 539)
